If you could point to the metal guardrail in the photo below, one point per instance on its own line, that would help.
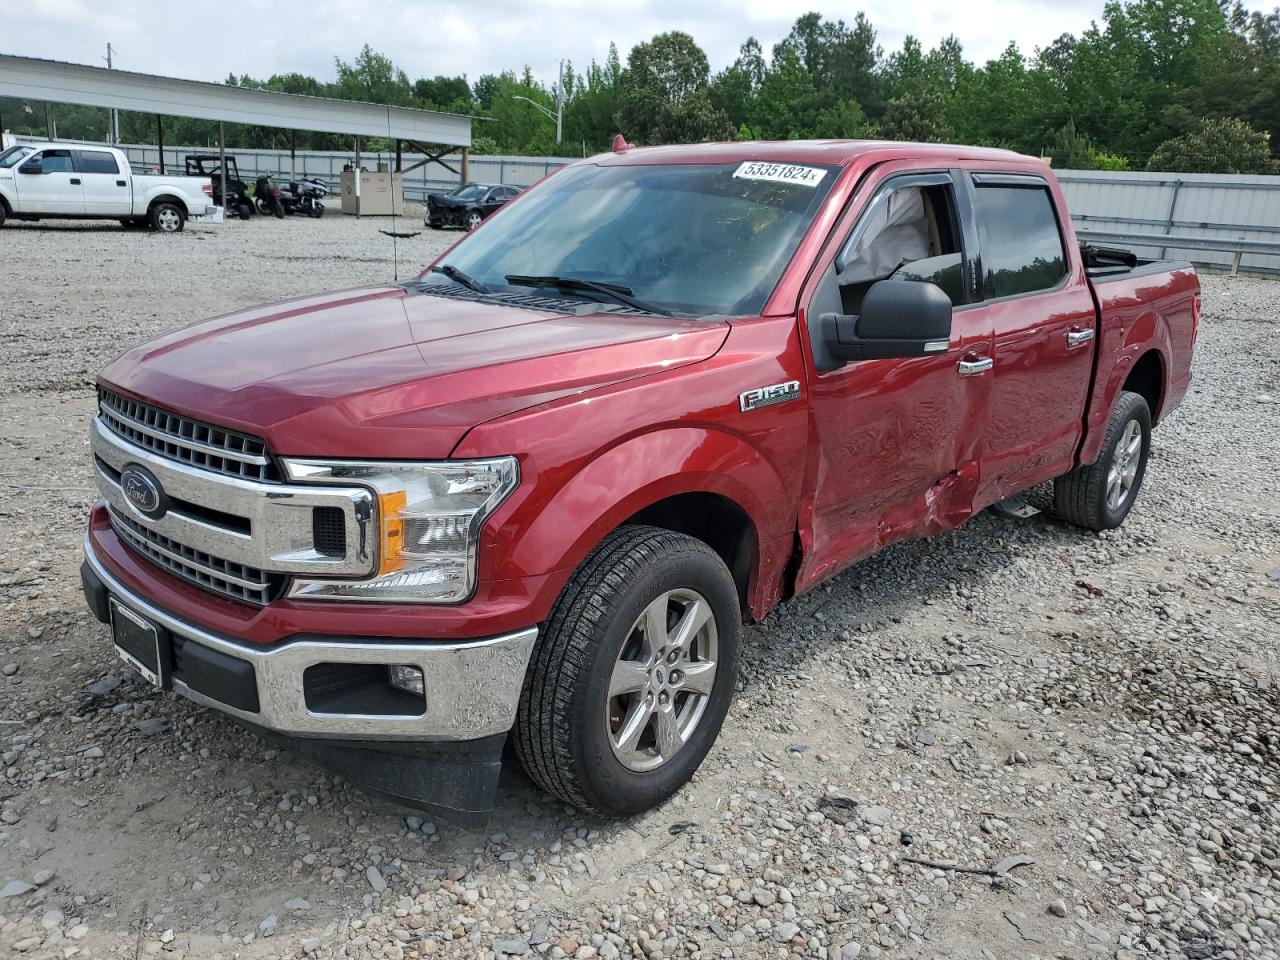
(1238, 246)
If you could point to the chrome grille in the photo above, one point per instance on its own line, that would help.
(185, 440)
(230, 579)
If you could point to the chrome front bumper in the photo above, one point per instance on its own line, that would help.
(472, 687)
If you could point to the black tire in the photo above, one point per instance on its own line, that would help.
(1081, 496)
(4, 212)
(167, 217)
(264, 208)
(472, 220)
(561, 734)
(244, 209)
(317, 211)
(278, 209)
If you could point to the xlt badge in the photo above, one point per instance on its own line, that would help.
(768, 396)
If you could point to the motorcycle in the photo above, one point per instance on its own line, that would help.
(268, 198)
(305, 197)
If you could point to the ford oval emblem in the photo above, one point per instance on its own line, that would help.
(143, 491)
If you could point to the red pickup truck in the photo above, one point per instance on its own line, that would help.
(532, 495)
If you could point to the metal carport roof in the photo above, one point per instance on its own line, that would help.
(60, 82)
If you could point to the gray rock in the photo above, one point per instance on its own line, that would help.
(15, 888)
(1058, 908)
(376, 880)
(876, 816)
(42, 877)
(9, 669)
(784, 932)
(267, 927)
(511, 948)
(100, 688)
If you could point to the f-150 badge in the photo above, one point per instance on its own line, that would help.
(768, 396)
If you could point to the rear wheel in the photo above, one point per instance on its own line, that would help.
(4, 212)
(631, 680)
(167, 217)
(244, 209)
(1099, 496)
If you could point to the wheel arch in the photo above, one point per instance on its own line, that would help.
(168, 198)
(1147, 379)
(695, 480)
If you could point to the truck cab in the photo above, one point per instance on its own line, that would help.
(535, 499)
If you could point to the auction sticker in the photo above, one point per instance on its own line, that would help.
(780, 173)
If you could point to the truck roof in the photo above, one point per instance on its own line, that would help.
(838, 152)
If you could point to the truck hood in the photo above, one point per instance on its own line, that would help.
(385, 372)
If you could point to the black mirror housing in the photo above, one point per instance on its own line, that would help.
(900, 318)
(31, 166)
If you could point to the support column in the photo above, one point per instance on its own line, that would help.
(466, 165)
(160, 140)
(397, 155)
(293, 155)
(48, 121)
(222, 168)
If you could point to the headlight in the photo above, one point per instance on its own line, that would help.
(429, 518)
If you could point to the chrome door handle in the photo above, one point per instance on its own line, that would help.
(974, 366)
(1078, 338)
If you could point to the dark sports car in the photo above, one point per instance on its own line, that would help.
(467, 205)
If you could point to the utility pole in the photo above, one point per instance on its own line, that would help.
(113, 131)
(559, 102)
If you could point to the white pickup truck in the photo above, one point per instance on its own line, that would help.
(77, 182)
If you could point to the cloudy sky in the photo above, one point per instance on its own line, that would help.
(429, 37)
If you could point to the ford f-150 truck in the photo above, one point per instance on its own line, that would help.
(530, 496)
(70, 181)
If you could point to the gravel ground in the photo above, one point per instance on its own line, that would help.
(1016, 739)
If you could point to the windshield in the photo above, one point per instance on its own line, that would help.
(471, 191)
(13, 155)
(695, 240)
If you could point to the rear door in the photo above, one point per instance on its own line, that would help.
(898, 440)
(1043, 318)
(106, 186)
(56, 190)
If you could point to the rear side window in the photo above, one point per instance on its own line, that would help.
(1021, 245)
(97, 161)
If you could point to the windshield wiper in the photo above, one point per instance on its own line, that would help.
(471, 283)
(615, 291)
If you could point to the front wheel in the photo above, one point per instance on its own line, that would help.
(317, 210)
(473, 220)
(1100, 495)
(632, 677)
(167, 218)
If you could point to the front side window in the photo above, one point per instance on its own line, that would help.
(55, 161)
(97, 161)
(1021, 244)
(909, 232)
(690, 239)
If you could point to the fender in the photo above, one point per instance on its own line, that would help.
(1132, 335)
(8, 190)
(560, 518)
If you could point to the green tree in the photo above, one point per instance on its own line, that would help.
(665, 96)
(917, 119)
(372, 78)
(1218, 146)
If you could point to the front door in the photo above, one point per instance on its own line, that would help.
(106, 186)
(898, 441)
(55, 190)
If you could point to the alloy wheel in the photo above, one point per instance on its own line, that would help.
(1125, 460)
(662, 680)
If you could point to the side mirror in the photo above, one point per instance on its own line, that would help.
(900, 318)
(31, 166)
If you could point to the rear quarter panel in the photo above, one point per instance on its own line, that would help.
(1151, 309)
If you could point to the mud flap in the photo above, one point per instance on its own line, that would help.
(455, 779)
